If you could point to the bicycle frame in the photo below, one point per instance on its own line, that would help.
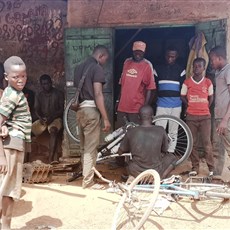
(183, 147)
(195, 190)
(138, 199)
(169, 189)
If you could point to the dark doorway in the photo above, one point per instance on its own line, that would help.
(157, 40)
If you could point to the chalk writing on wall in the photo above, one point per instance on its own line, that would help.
(38, 29)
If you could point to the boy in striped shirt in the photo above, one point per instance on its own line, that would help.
(15, 115)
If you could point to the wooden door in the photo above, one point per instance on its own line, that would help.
(79, 44)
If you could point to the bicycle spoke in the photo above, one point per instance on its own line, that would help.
(181, 138)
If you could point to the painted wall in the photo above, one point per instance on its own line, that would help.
(33, 30)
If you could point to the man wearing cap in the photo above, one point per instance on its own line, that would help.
(137, 85)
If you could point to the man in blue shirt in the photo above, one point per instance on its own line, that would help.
(170, 77)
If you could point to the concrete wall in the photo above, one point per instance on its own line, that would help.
(104, 13)
(33, 30)
(142, 13)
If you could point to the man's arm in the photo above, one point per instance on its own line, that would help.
(184, 100)
(37, 109)
(224, 122)
(183, 94)
(124, 146)
(4, 133)
(150, 97)
(99, 100)
(165, 143)
(210, 100)
(59, 112)
(149, 81)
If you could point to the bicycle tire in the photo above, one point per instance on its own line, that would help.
(70, 123)
(136, 205)
(216, 204)
(184, 143)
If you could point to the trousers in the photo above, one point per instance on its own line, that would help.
(201, 125)
(89, 123)
(221, 143)
(172, 126)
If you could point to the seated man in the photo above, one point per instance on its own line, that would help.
(148, 145)
(49, 106)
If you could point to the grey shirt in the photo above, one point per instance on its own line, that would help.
(222, 96)
(147, 145)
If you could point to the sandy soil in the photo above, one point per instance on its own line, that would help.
(63, 205)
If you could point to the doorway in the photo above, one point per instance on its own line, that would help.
(156, 39)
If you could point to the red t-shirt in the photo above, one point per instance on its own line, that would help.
(197, 95)
(136, 79)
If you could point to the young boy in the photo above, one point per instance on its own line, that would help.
(197, 94)
(14, 113)
(218, 60)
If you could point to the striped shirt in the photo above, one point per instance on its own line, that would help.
(14, 107)
(169, 80)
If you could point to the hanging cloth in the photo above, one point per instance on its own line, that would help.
(197, 49)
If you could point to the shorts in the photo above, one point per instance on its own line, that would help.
(38, 128)
(11, 183)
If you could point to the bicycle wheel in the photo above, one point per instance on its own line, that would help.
(70, 122)
(214, 201)
(137, 203)
(181, 138)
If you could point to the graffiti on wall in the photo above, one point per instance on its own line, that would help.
(36, 30)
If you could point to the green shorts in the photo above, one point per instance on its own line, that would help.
(11, 183)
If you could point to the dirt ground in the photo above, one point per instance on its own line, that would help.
(65, 205)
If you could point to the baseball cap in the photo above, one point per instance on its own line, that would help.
(139, 45)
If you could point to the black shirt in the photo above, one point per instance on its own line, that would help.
(94, 74)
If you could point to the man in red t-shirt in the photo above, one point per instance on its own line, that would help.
(197, 94)
(137, 85)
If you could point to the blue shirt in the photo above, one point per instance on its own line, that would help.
(169, 80)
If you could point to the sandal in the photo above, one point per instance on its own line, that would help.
(97, 187)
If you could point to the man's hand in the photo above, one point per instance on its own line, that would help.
(43, 120)
(4, 131)
(49, 120)
(3, 165)
(107, 126)
(222, 126)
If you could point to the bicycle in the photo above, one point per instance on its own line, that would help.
(138, 198)
(110, 148)
(184, 138)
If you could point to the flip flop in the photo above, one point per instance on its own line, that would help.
(97, 187)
